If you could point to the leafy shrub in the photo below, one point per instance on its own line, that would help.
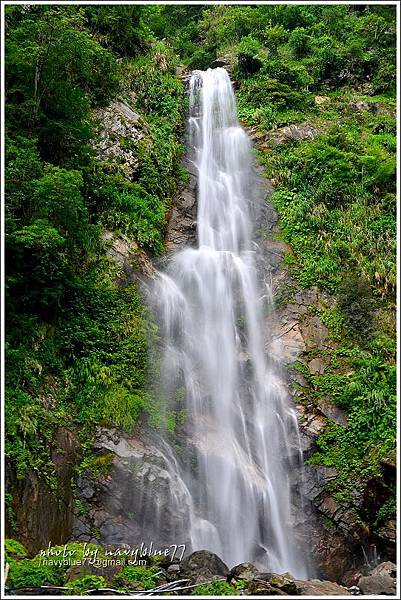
(273, 37)
(55, 72)
(80, 586)
(300, 42)
(259, 92)
(144, 578)
(13, 550)
(217, 588)
(30, 573)
(247, 52)
(121, 28)
(131, 210)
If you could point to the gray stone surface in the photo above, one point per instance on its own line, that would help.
(271, 139)
(120, 127)
(203, 566)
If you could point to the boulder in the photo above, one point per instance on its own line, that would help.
(284, 583)
(360, 105)
(174, 570)
(317, 366)
(381, 584)
(331, 411)
(315, 587)
(258, 587)
(243, 571)
(388, 568)
(279, 136)
(203, 565)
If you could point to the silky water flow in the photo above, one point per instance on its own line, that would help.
(234, 481)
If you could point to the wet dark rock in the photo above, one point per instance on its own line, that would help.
(375, 494)
(44, 515)
(203, 566)
(243, 571)
(136, 488)
(258, 587)
(388, 532)
(226, 62)
(117, 530)
(285, 583)
(390, 461)
(86, 488)
(181, 228)
(219, 62)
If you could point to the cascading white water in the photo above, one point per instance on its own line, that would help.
(237, 489)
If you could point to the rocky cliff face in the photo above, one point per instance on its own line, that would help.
(340, 534)
(43, 514)
(124, 504)
(120, 127)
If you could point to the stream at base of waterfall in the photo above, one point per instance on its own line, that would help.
(235, 491)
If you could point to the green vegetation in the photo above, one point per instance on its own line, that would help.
(336, 199)
(363, 382)
(52, 569)
(14, 550)
(77, 344)
(79, 587)
(216, 588)
(33, 572)
(144, 578)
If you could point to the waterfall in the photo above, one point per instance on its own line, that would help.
(209, 302)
